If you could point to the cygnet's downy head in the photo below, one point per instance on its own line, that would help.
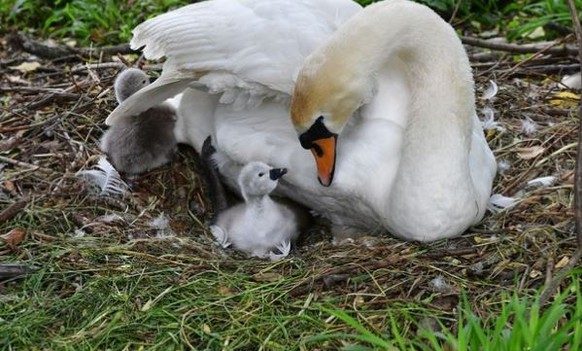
(128, 82)
(259, 179)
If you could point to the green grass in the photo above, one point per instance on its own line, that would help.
(520, 324)
(89, 21)
(110, 21)
(130, 301)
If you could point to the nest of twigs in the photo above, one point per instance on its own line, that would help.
(52, 117)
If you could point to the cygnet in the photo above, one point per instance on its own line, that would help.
(260, 224)
(141, 142)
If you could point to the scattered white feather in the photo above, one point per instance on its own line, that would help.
(284, 249)
(342, 241)
(542, 181)
(489, 121)
(528, 126)
(162, 224)
(498, 203)
(110, 218)
(491, 91)
(477, 268)
(573, 82)
(439, 284)
(503, 166)
(220, 236)
(106, 178)
(79, 233)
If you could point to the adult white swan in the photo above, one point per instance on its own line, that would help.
(383, 97)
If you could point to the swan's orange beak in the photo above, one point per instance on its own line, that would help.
(323, 151)
(322, 144)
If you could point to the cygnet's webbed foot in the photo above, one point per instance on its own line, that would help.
(284, 248)
(220, 236)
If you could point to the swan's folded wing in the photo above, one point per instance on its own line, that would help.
(244, 49)
(165, 87)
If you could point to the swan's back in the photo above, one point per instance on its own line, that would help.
(248, 48)
(258, 40)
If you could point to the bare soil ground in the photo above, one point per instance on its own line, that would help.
(52, 116)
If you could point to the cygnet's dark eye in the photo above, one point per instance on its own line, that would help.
(144, 81)
(261, 174)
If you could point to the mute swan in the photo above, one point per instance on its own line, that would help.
(260, 224)
(142, 141)
(389, 85)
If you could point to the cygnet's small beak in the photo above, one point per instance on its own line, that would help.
(277, 173)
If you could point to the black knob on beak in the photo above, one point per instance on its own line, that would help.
(277, 173)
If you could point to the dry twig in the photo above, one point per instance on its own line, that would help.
(9, 270)
(554, 284)
(551, 48)
(13, 210)
(59, 52)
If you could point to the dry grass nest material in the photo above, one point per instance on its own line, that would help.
(53, 115)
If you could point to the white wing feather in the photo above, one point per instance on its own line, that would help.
(106, 178)
(284, 248)
(250, 47)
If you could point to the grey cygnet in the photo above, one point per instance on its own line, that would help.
(141, 142)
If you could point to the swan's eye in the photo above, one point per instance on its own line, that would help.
(261, 174)
(144, 81)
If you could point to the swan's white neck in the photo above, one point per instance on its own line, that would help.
(434, 154)
(438, 67)
(436, 64)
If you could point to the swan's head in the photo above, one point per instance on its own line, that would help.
(128, 82)
(259, 179)
(325, 97)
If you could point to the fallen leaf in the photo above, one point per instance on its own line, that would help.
(225, 291)
(563, 262)
(527, 153)
(147, 305)
(267, 277)
(10, 186)
(26, 67)
(535, 273)
(11, 143)
(568, 178)
(567, 95)
(537, 33)
(206, 328)
(43, 237)
(14, 237)
(565, 99)
(17, 79)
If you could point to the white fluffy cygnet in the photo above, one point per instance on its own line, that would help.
(260, 224)
(141, 142)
